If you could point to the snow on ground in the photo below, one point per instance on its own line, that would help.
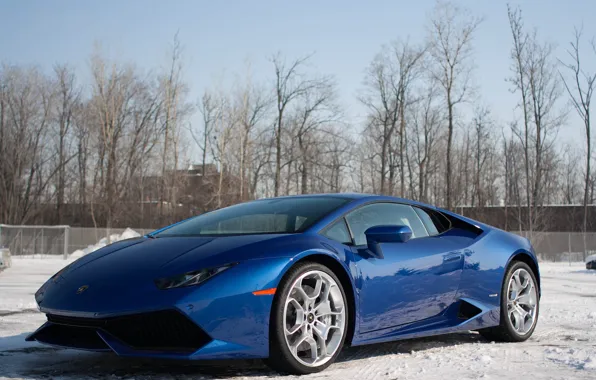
(562, 347)
(127, 234)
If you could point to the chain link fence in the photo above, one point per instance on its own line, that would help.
(562, 246)
(82, 237)
(54, 240)
(64, 240)
(35, 240)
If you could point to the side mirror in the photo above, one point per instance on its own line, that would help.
(386, 234)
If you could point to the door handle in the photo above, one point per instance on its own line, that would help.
(452, 257)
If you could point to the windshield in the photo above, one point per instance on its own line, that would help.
(269, 216)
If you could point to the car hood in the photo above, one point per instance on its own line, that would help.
(157, 257)
(119, 278)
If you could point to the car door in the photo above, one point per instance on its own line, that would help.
(415, 280)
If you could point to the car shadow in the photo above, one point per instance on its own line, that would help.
(409, 345)
(41, 362)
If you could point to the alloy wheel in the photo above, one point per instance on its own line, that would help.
(315, 318)
(522, 299)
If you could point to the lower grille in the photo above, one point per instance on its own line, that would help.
(167, 330)
(71, 336)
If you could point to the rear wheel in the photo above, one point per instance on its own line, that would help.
(308, 320)
(519, 306)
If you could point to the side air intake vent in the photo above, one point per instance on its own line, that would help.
(467, 310)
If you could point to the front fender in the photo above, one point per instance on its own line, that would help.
(237, 319)
(226, 308)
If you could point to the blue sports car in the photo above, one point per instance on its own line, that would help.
(292, 280)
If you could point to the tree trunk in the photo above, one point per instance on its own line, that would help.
(278, 154)
(402, 138)
(449, 144)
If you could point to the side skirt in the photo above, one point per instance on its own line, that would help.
(464, 315)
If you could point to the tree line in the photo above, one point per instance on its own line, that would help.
(122, 143)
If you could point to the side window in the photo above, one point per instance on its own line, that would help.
(384, 214)
(428, 223)
(434, 222)
(339, 232)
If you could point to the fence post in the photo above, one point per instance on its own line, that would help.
(569, 245)
(66, 241)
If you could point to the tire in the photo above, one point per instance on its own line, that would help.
(507, 331)
(289, 302)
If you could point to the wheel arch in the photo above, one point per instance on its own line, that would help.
(528, 259)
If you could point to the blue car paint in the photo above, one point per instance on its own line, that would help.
(414, 291)
(417, 280)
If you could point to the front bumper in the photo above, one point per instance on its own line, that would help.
(159, 333)
(220, 319)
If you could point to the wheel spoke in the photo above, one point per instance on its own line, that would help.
(322, 339)
(326, 292)
(300, 292)
(317, 291)
(520, 318)
(516, 284)
(299, 341)
(323, 346)
(324, 310)
(321, 329)
(314, 354)
(299, 316)
(525, 281)
(527, 299)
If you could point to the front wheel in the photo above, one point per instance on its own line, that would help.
(308, 320)
(519, 306)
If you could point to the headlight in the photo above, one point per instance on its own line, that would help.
(189, 278)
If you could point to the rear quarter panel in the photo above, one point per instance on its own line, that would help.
(486, 262)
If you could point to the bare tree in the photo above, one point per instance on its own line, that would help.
(209, 112)
(317, 108)
(426, 120)
(451, 33)
(483, 144)
(175, 109)
(26, 105)
(67, 100)
(380, 98)
(535, 79)
(252, 108)
(580, 87)
(290, 83)
(408, 60)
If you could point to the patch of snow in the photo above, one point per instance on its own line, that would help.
(127, 234)
(485, 359)
(562, 347)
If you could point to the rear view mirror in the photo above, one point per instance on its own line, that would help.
(386, 234)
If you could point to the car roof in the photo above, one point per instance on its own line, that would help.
(354, 196)
(331, 195)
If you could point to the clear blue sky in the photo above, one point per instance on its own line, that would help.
(219, 36)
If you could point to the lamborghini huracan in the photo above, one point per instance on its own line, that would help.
(292, 280)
